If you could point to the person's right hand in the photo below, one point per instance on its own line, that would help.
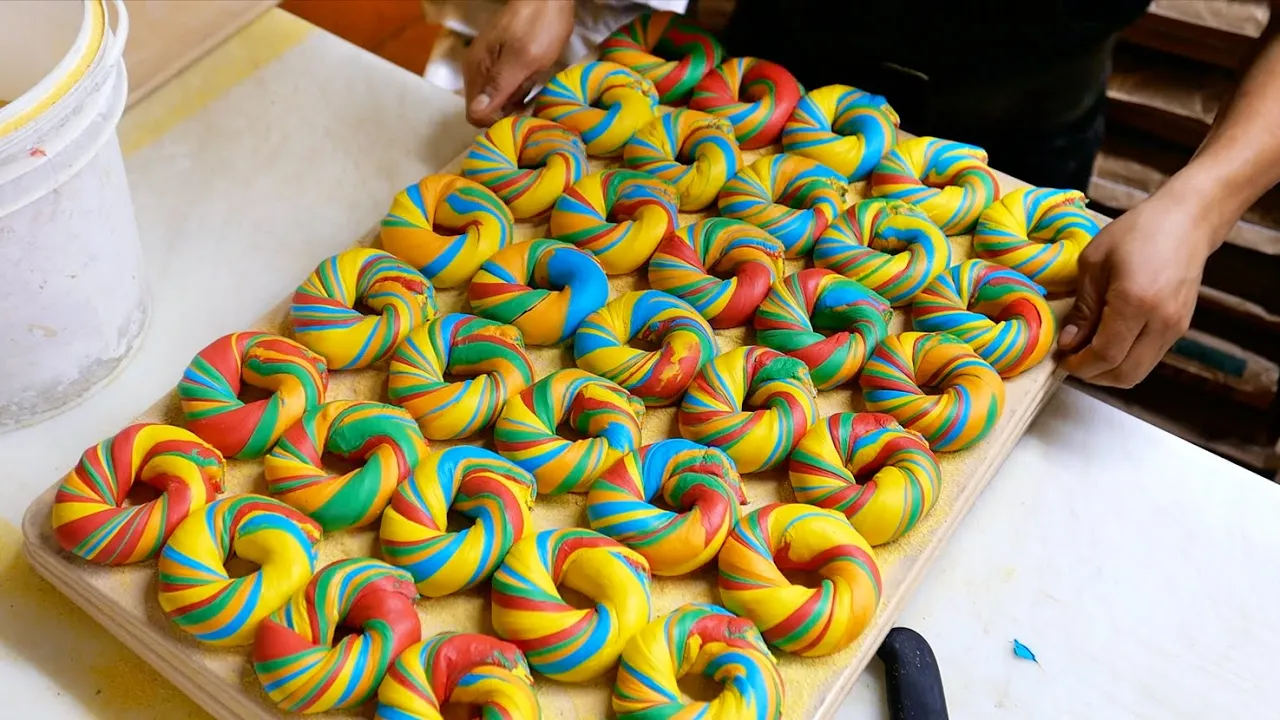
(507, 58)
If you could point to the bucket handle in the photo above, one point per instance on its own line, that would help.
(119, 36)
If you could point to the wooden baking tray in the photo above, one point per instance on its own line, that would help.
(223, 682)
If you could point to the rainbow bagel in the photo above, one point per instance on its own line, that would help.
(603, 102)
(684, 263)
(648, 43)
(490, 355)
(198, 595)
(842, 127)
(1001, 314)
(713, 411)
(561, 641)
(527, 162)
(303, 667)
(210, 391)
(657, 377)
(705, 141)
(384, 437)
(700, 482)
(792, 198)
(828, 322)
(803, 620)
(605, 415)
(755, 96)
(966, 394)
(949, 181)
(90, 517)
(698, 638)
(544, 287)
(446, 226)
(891, 247)
(619, 216)
(864, 465)
(1040, 232)
(479, 484)
(460, 669)
(324, 318)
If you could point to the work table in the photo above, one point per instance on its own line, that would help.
(1140, 570)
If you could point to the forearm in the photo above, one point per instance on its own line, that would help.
(1240, 158)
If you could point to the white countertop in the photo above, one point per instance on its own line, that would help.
(1141, 570)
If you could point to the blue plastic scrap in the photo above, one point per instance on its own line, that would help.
(1024, 652)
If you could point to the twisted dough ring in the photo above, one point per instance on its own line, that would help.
(459, 669)
(605, 414)
(196, 592)
(798, 619)
(603, 102)
(544, 287)
(561, 641)
(474, 482)
(842, 127)
(295, 657)
(969, 396)
(793, 198)
(619, 216)
(210, 388)
(755, 96)
(1040, 232)
(949, 181)
(712, 411)
(891, 247)
(490, 355)
(1001, 314)
(90, 517)
(323, 314)
(384, 437)
(698, 481)
(446, 226)
(527, 162)
(864, 465)
(657, 377)
(698, 638)
(828, 322)
(662, 147)
(691, 263)
(668, 49)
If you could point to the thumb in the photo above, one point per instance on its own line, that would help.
(1082, 320)
(505, 76)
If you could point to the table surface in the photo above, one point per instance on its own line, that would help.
(1140, 569)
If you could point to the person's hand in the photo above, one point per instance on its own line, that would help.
(507, 58)
(1139, 279)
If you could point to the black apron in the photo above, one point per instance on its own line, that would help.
(1024, 79)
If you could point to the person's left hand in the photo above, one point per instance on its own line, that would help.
(1139, 280)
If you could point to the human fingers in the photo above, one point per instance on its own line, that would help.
(499, 77)
(1082, 320)
(1118, 329)
(1164, 325)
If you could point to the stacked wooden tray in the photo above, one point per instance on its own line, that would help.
(223, 682)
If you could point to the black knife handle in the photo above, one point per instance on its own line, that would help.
(913, 682)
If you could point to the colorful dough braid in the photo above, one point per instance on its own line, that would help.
(825, 320)
(1039, 232)
(384, 437)
(324, 318)
(295, 657)
(700, 482)
(561, 641)
(527, 162)
(1001, 314)
(461, 669)
(90, 517)
(495, 493)
(619, 216)
(490, 355)
(795, 537)
(662, 147)
(949, 181)
(198, 595)
(755, 96)
(791, 197)
(646, 43)
(705, 639)
(603, 102)
(864, 465)
(844, 128)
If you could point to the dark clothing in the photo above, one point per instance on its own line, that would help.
(1024, 79)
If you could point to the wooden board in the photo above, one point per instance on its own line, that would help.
(222, 681)
(166, 36)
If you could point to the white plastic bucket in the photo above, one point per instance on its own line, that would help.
(73, 301)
